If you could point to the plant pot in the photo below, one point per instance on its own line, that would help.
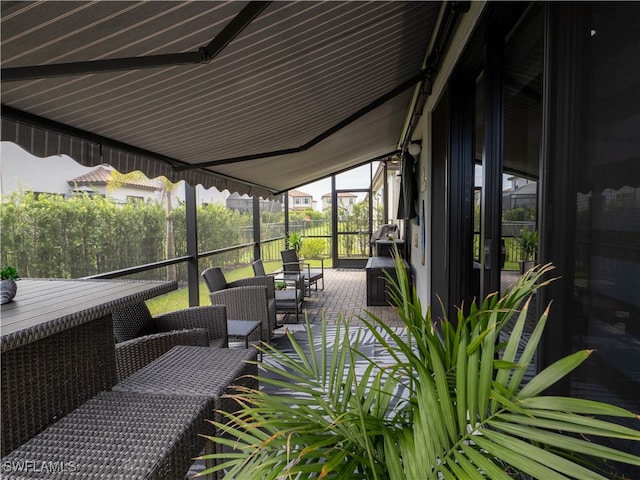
(8, 289)
(526, 265)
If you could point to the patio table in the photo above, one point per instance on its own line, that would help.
(245, 330)
(57, 346)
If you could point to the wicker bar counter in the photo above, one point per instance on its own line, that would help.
(58, 349)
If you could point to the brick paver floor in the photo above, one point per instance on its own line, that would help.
(345, 294)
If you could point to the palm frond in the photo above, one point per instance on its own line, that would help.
(450, 404)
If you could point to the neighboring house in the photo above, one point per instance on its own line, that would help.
(299, 201)
(524, 196)
(97, 182)
(346, 201)
(20, 170)
(244, 204)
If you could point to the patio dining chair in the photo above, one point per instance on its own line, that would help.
(141, 338)
(291, 263)
(287, 300)
(251, 298)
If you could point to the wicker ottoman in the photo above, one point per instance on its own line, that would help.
(116, 435)
(195, 371)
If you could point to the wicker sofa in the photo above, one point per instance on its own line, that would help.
(141, 338)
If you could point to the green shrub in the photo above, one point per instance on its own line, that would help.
(48, 235)
(313, 247)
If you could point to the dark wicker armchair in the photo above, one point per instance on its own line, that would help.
(141, 338)
(250, 298)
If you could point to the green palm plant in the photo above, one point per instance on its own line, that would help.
(452, 404)
(295, 240)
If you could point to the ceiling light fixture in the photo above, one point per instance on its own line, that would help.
(414, 149)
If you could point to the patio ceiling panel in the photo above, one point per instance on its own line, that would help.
(297, 70)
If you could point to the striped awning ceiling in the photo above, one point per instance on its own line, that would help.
(255, 97)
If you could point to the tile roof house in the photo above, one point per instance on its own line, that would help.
(134, 188)
(346, 200)
(299, 200)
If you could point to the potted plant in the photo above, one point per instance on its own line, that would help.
(528, 243)
(8, 286)
(295, 241)
(452, 403)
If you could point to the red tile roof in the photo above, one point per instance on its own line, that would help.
(102, 176)
(298, 193)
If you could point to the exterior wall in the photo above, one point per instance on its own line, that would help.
(300, 203)
(204, 195)
(21, 170)
(581, 89)
(124, 194)
(422, 273)
(345, 203)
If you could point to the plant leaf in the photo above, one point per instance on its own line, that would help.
(553, 373)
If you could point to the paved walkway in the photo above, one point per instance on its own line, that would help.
(345, 295)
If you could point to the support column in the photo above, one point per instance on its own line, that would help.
(193, 274)
(257, 238)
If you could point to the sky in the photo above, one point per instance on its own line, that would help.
(357, 178)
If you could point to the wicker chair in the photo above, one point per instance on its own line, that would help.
(289, 300)
(246, 299)
(141, 338)
(292, 264)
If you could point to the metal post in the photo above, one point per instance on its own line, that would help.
(256, 228)
(385, 193)
(286, 219)
(334, 221)
(193, 275)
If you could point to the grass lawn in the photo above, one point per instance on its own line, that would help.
(180, 298)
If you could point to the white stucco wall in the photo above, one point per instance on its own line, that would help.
(21, 170)
(203, 195)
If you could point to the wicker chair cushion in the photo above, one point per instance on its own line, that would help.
(133, 322)
(214, 278)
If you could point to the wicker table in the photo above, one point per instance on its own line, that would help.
(58, 349)
(115, 435)
(244, 329)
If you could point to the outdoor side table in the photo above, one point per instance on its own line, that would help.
(244, 329)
